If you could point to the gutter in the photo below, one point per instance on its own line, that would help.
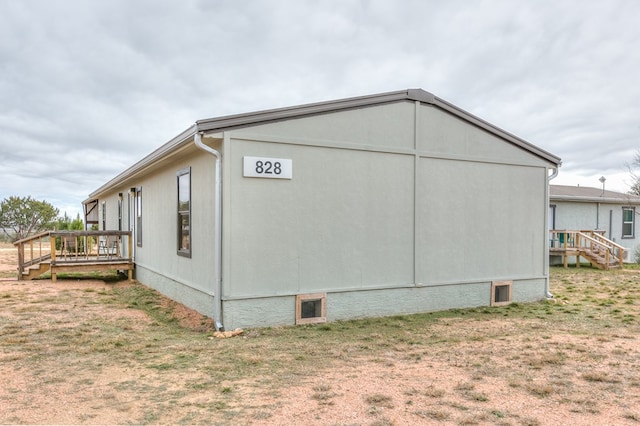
(590, 199)
(217, 225)
(547, 289)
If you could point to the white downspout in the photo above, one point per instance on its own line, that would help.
(217, 225)
(547, 289)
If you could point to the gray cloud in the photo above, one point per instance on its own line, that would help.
(88, 87)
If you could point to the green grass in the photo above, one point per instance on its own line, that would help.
(184, 375)
(106, 276)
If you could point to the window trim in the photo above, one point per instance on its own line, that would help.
(301, 298)
(494, 286)
(180, 213)
(633, 222)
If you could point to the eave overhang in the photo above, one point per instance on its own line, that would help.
(608, 200)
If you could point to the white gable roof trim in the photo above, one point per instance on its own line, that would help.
(231, 122)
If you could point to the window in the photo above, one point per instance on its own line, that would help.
(311, 308)
(104, 215)
(184, 212)
(501, 293)
(628, 216)
(139, 217)
(552, 216)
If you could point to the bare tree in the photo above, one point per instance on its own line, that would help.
(635, 177)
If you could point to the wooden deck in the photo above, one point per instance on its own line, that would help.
(590, 245)
(74, 251)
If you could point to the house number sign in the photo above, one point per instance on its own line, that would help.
(271, 168)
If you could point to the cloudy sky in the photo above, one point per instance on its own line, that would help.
(89, 87)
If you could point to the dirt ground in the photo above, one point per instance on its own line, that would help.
(570, 378)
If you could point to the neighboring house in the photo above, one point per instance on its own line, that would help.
(377, 205)
(595, 209)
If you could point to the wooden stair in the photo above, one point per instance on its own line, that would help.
(598, 259)
(36, 270)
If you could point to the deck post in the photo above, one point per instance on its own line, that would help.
(52, 241)
(620, 257)
(130, 253)
(20, 260)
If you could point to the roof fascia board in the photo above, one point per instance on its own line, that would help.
(169, 147)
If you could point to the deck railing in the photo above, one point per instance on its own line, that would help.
(33, 250)
(69, 248)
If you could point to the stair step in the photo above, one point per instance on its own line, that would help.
(35, 271)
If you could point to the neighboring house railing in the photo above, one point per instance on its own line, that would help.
(80, 251)
(592, 245)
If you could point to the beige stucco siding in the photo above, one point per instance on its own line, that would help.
(371, 211)
(344, 221)
(158, 252)
(441, 134)
(382, 126)
(479, 221)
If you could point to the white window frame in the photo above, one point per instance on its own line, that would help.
(632, 222)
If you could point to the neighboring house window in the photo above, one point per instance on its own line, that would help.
(139, 217)
(104, 215)
(552, 216)
(184, 212)
(628, 222)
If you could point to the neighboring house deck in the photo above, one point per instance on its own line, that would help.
(74, 251)
(591, 245)
(607, 213)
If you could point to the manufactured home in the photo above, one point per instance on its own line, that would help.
(594, 210)
(377, 205)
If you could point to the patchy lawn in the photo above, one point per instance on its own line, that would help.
(93, 352)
